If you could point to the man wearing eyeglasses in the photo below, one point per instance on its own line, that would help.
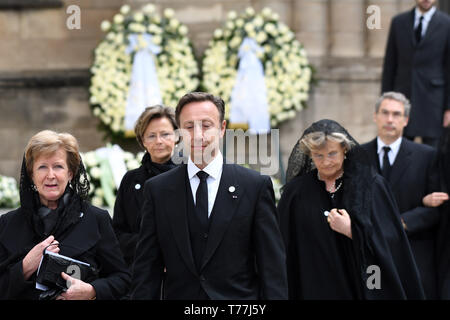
(411, 171)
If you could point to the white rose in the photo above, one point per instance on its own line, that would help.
(118, 18)
(148, 8)
(232, 15)
(258, 21)
(169, 13)
(138, 16)
(250, 11)
(239, 23)
(218, 33)
(96, 201)
(95, 172)
(105, 25)
(157, 40)
(266, 12)
(261, 37)
(183, 30)
(125, 9)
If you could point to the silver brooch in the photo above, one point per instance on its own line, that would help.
(326, 213)
(231, 189)
(137, 186)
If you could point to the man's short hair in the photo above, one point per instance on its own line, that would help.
(397, 96)
(199, 97)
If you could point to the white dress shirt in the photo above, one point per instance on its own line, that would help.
(426, 19)
(392, 154)
(214, 170)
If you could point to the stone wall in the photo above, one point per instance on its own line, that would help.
(44, 66)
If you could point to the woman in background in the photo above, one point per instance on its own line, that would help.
(155, 133)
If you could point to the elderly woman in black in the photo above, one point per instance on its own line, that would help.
(54, 211)
(340, 223)
(155, 133)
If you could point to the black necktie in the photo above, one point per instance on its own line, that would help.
(201, 198)
(386, 170)
(419, 30)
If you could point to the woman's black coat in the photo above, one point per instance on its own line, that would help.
(91, 239)
(127, 210)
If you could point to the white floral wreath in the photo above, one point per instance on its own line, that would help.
(176, 67)
(103, 187)
(286, 68)
(9, 192)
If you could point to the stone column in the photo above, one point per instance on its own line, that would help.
(376, 38)
(347, 28)
(311, 25)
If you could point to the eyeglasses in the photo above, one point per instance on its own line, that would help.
(320, 157)
(166, 136)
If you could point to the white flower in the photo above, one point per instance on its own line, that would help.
(105, 25)
(169, 13)
(232, 15)
(97, 201)
(148, 8)
(118, 18)
(138, 16)
(218, 33)
(125, 9)
(250, 11)
(183, 30)
(95, 172)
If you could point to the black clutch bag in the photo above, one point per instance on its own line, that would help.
(49, 276)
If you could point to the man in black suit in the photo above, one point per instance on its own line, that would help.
(211, 225)
(417, 64)
(410, 169)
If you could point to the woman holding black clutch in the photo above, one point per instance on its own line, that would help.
(155, 133)
(54, 214)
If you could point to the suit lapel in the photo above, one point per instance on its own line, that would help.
(401, 163)
(224, 208)
(177, 213)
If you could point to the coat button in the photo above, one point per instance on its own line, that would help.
(202, 278)
(205, 236)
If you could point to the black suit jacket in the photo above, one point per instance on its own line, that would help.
(244, 256)
(91, 240)
(420, 70)
(127, 210)
(414, 175)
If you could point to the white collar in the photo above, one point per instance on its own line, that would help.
(213, 169)
(426, 16)
(395, 146)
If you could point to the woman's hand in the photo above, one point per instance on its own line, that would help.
(78, 290)
(31, 261)
(340, 221)
(434, 199)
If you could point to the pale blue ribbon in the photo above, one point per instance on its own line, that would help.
(249, 97)
(144, 86)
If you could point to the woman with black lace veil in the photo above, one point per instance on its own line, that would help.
(155, 133)
(55, 216)
(340, 223)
